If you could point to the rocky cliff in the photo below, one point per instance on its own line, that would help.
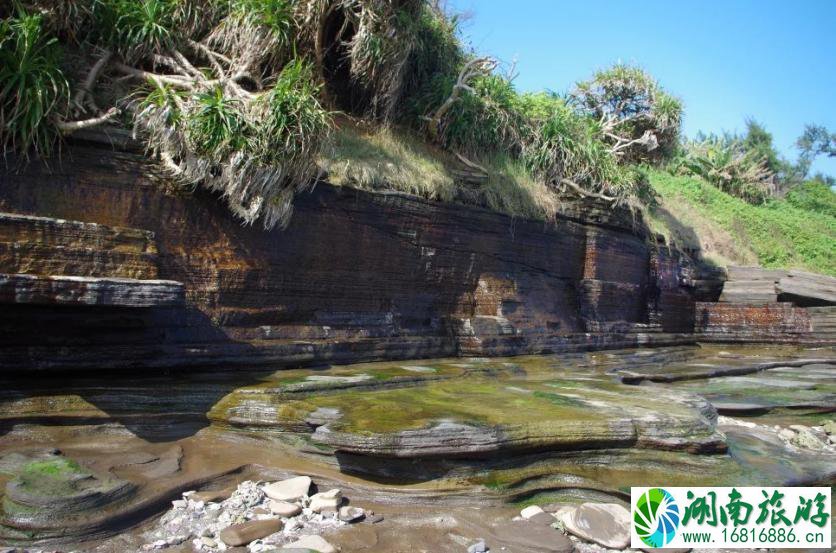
(355, 276)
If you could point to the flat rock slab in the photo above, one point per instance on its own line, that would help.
(606, 524)
(89, 291)
(531, 536)
(244, 533)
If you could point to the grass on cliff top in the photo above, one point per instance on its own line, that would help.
(396, 159)
(798, 231)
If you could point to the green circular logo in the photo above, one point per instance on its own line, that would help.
(656, 517)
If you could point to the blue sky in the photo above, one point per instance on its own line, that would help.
(727, 60)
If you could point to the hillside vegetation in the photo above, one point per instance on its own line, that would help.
(256, 100)
(798, 231)
(239, 96)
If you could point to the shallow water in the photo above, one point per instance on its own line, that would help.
(451, 432)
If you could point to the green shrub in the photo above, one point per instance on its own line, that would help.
(217, 126)
(814, 195)
(487, 121)
(562, 143)
(137, 28)
(633, 104)
(33, 89)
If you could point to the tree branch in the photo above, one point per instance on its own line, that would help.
(67, 127)
(577, 188)
(157, 78)
(473, 68)
(86, 88)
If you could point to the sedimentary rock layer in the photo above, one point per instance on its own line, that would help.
(355, 276)
(89, 291)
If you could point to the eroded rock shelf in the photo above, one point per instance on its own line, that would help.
(483, 431)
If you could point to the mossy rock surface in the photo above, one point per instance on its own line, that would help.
(52, 488)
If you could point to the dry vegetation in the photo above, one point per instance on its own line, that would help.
(392, 158)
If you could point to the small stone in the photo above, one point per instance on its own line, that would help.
(292, 525)
(805, 439)
(543, 518)
(212, 495)
(333, 493)
(374, 519)
(208, 542)
(179, 503)
(284, 508)
(829, 427)
(351, 514)
(244, 533)
(176, 540)
(326, 501)
(786, 434)
(530, 511)
(478, 547)
(291, 489)
(315, 543)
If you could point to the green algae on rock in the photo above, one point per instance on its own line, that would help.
(50, 489)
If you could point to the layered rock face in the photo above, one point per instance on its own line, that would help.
(355, 276)
(770, 305)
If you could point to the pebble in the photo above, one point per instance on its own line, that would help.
(247, 504)
(374, 519)
(245, 532)
(531, 511)
(478, 547)
(326, 501)
(316, 543)
(786, 433)
(351, 514)
(543, 518)
(211, 495)
(284, 508)
(176, 540)
(292, 489)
